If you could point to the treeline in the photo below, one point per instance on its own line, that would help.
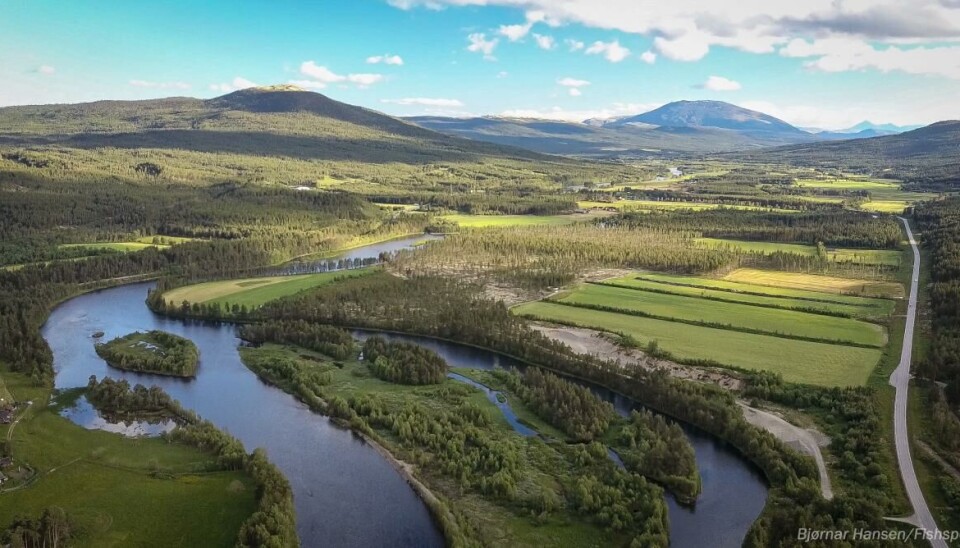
(274, 522)
(329, 340)
(530, 202)
(572, 408)
(854, 422)
(707, 194)
(53, 529)
(403, 362)
(117, 399)
(939, 224)
(833, 228)
(152, 352)
(550, 256)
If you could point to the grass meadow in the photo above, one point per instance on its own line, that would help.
(798, 361)
(254, 292)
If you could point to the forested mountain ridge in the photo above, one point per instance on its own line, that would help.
(928, 157)
(302, 123)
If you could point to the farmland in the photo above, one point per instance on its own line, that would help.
(641, 281)
(812, 282)
(798, 361)
(887, 257)
(494, 221)
(651, 205)
(745, 287)
(734, 316)
(254, 292)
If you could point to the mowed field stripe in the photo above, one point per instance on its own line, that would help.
(736, 315)
(798, 361)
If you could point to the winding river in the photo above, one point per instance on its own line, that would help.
(346, 494)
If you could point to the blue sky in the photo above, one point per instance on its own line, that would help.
(825, 63)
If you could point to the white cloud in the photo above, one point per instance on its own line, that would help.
(648, 57)
(159, 85)
(480, 44)
(558, 113)
(514, 32)
(321, 76)
(686, 30)
(385, 59)
(544, 42)
(46, 70)
(846, 54)
(574, 92)
(237, 83)
(503, 74)
(424, 101)
(612, 51)
(573, 82)
(574, 45)
(719, 83)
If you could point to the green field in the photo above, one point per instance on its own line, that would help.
(487, 221)
(650, 205)
(254, 292)
(863, 310)
(107, 486)
(735, 315)
(863, 256)
(113, 246)
(798, 361)
(884, 305)
(885, 196)
(815, 282)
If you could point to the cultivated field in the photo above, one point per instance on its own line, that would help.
(254, 292)
(885, 196)
(485, 221)
(885, 305)
(735, 315)
(798, 361)
(813, 282)
(650, 205)
(886, 257)
(866, 310)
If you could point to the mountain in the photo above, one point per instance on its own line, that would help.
(594, 139)
(929, 156)
(275, 120)
(879, 128)
(712, 114)
(677, 128)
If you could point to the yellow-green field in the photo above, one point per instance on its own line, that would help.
(815, 282)
(798, 361)
(886, 196)
(862, 256)
(885, 305)
(487, 221)
(682, 285)
(254, 292)
(735, 315)
(651, 205)
(113, 246)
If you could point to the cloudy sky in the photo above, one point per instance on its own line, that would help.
(814, 63)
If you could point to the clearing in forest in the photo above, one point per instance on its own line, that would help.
(254, 292)
(886, 257)
(486, 221)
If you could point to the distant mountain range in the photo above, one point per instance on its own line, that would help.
(678, 127)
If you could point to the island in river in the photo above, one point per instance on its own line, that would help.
(155, 352)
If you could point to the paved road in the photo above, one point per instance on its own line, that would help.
(900, 379)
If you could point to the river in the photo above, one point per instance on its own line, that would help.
(346, 494)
